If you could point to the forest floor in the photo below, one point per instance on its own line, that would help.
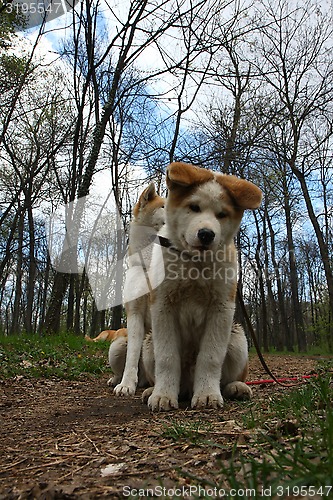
(74, 439)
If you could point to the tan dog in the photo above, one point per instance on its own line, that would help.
(148, 218)
(109, 335)
(196, 349)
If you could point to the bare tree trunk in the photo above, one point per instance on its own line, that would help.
(263, 308)
(297, 310)
(31, 272)
(44, 295)
(284, 334)
(70, 303)
(53, 314)
(79, 287)
(15, 326)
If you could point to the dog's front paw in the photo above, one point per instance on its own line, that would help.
(237, 390)
(159, 401)
(127, 389)
(204, 400)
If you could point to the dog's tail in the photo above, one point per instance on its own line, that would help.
(89, 339)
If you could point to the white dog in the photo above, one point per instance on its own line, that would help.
(196, 349)
(148, 218)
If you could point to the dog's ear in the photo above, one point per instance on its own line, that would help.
(147, 195)
(184, 174)
(245, 194)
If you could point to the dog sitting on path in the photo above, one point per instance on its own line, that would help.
(148, 218)
(196, 348)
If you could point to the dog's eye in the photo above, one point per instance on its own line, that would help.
(195, 208)
(221, 215)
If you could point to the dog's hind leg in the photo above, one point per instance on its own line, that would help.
(117, 356)
(235, 367)
(148, 360)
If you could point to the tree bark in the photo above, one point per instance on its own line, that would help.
(297, 310)
(31, 273)
(284, 335)
(15, 327)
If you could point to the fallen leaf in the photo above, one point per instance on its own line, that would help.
(111, 469)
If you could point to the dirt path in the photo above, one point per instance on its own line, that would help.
(68, 440)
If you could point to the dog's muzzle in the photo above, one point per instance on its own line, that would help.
(206, 236)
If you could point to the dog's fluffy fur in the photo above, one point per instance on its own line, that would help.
(148, 218)
(195, 350)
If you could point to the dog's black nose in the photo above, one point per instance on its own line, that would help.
(206, 236)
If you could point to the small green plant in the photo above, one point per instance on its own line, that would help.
(193, 431)
(250, 419)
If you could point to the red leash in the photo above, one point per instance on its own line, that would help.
(279, 380)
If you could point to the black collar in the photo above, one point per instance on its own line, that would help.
(165, 242)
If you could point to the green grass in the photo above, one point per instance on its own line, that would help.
(312, 350)
(64, 356)
(193, 431)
